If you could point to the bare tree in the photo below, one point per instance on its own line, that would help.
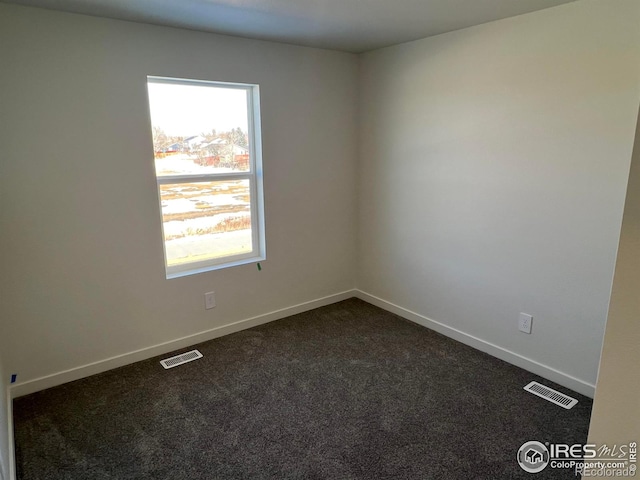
(160, 139)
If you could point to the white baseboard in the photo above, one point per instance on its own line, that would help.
(516, 359)
(77, 373)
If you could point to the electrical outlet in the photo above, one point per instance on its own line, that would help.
(524, 323)
(209, 300)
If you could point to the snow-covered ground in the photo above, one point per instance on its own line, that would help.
(192, 210)
(182, 163)
(208, 195)
(200, 247)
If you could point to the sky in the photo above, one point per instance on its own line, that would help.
(186, 110)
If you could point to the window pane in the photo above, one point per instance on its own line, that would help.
(199, 129)
(206, 220)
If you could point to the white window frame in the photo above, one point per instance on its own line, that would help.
(254, 176)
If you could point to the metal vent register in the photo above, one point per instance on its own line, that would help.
(550, 394)
(180, 359)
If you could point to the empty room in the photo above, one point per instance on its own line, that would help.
(319, 240)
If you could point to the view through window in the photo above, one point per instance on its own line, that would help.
(206, 142)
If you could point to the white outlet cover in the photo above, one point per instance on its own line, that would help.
(524, 323)
(209, 300)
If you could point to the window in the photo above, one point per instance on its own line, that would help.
(206, 141)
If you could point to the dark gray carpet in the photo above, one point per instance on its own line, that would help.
(347, 391)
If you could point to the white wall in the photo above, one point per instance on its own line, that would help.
(616, 409)
(81, 252)
(493, 167)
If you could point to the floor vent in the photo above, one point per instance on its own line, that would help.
(180, 359)
(552, 395)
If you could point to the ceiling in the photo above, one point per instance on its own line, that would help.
(348, 25)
